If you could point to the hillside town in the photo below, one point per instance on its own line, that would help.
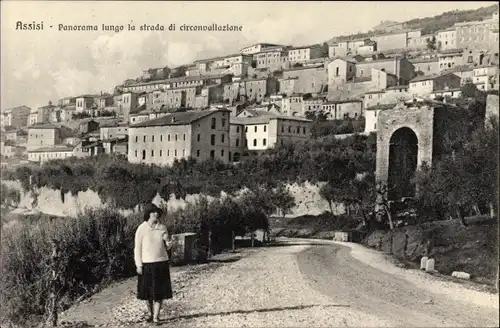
(239, 105)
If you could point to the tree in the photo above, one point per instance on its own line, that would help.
(325, 49)
(469, 89)
(431, 43)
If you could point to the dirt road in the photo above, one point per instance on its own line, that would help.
(332, 270)
(304, 283)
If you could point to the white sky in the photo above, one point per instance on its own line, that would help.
(38, 66)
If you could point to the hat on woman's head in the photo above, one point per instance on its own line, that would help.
(151, 208)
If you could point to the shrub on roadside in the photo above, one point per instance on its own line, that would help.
(97, 247)
(9, 196)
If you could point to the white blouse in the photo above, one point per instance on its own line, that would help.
(150, 244)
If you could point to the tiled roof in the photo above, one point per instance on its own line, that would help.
(43, 126)
(397, 87)
(52, 149)
(374, 92)
(178, 118)
(428, 77)
(381, 107)
(264, 118)
(302, 68)
(447, 90)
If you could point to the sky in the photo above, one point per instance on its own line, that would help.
(43, 65)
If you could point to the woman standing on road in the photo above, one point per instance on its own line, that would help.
(151, 259)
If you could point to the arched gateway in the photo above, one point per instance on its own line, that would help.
(404, 142)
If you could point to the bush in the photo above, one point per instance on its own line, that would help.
(97, 247)
(9, 196)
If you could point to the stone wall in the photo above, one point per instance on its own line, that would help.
(50, 201)
(473, 249)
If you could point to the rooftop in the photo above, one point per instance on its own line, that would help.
(428, 77)
(303, 68)
(59, 148)
(178, 118)
(43, 126)
(381, 107)
(374, 92)
(397, 87)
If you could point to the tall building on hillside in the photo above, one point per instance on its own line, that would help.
(476, 35)
(16, 117)
(200, 135)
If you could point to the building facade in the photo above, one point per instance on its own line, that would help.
(16, 117)
(43, 135)
(199, 135)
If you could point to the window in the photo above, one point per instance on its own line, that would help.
(183, 152)
(175, 153)
(246, 142)
(337, 71)
(143, 154)
(136, 153)
(152, 138)
(198, 137)
(168, 152)
(298, 130)
(282, 129)
(176, 137)
(246, 128)
(184, 137)
(223, 122)
(255, 142)
(213, 123)
(255, 128)
(282, 142)
(198, 153)
(161, 138)
(168, 137)
(375, 126)
(212, 154)
(152, 153)
(222, 138)
(161, 152)
(222, 153)
(144, 138)
(237, 142)
(264, 142)
(136, 139)
(237, 129)
(289, 129)
(212, 139)
(303, 130)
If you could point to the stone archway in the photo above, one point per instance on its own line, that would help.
(403, 161)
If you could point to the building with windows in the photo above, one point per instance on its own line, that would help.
(259, 47)
(476, 34)
(447, 39)
(44, 154)
(260, 130)
(43, 135)
(200, 135)
(16, 117)
(427, 84)
(302, 54)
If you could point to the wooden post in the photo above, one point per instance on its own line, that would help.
(54, 285)
(209, 252)
(232, 241)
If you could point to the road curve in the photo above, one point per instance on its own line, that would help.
(330, 269)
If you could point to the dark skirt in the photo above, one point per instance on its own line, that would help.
(154, 283)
